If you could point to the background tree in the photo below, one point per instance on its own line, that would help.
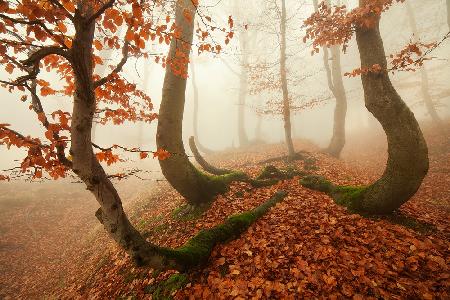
(196, 105)
(407, 162)
(336, 86)
(284, 85)
(425, 86)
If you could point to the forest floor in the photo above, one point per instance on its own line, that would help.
(304, 247)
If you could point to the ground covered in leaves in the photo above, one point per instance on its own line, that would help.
(304, 247)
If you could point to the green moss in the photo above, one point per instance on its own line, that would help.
(317, 183)
(165, 289)
(197, 250)
(349, 196)
(218, 184)
(270, 172)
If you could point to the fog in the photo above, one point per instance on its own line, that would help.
(219, 87)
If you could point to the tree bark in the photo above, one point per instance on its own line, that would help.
(85, 164)
(423, 71)
(336, 86)
(407, 162)
(196, 187)
(284, 86)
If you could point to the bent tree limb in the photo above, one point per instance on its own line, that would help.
(203, 163)
(407, 162)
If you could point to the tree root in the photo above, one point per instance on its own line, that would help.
(352, 196)
(270, 175)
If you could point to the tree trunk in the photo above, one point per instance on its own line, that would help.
(337, 142)
(284, 86)
(336, 86)
(196, 187)
(243, 90)
(85, 164)
(407, 162)
(423, 71)
(196, 100)
(448, 14)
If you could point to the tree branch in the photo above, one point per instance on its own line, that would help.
(36, 56)
(102, 9)
(117, 69)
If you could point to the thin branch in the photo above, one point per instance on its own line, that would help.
(102, 9)
(117, 69)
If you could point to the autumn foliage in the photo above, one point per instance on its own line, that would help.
(36, 41)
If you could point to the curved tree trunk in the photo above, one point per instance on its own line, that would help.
(407, 162)
(284, 86)
(423, 71)
(337, 142)
(86, 165)
(336, 86)
(196, 100)
(196, 187)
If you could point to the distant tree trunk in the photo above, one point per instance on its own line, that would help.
(448, 14)
(195, 186)
(284, 86)
(243, 89)
(423, 71)
(336, 86)
(258, 128)
(85, 164)
(407, 162)
(196, 101)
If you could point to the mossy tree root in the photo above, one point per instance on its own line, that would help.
(198, 249)
(270, 175)
(352, 198)
(348, 196)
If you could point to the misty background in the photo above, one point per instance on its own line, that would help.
(219, 86)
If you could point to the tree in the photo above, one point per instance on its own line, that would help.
(196, 104)
(407, 162)
(425, 87)
(197, 187)
(336, 86)
(448, 14)
(284, 85)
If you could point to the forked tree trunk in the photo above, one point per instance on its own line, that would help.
(85, 164)
(284, 85)
(336, 86)
(407, 162)
(195, 186)
(423, 71)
